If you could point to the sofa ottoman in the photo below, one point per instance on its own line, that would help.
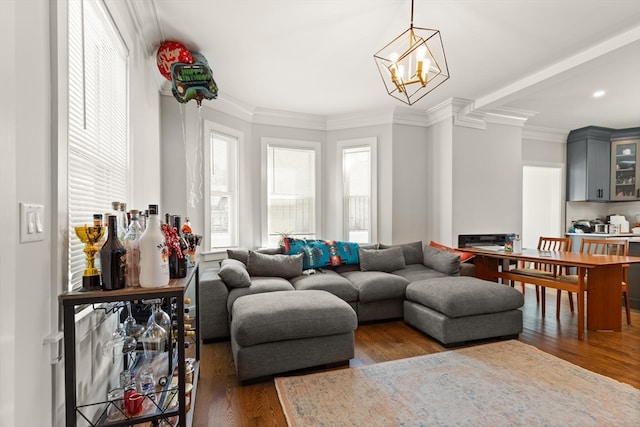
(455, 310)
(282, 331)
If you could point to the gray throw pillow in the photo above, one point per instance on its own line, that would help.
(386, 260)
(285, 266)
(440, 260)
(234, 273)
(241, 255)
(412, 252)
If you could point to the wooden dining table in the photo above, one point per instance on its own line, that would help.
(605, 274)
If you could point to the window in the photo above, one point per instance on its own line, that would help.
(97, 122)
(223, 190)
(291, 191)
(358, 169)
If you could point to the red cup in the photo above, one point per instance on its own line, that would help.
(133, 403)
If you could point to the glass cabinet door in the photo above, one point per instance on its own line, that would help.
(624, 156)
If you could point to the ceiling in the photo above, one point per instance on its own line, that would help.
(541, 57)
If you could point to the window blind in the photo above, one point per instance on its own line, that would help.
(98, 121)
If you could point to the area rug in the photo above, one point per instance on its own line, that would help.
(506, 383)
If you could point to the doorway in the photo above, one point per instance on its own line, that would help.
(542, 203)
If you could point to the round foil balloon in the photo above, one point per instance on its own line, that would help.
(169, 53)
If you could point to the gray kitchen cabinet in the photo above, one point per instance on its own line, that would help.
(589, 164)
(625, 154)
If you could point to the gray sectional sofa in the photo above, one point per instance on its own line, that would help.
(281, 317)
(375, 288)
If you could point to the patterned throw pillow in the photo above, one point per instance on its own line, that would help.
(322, 253)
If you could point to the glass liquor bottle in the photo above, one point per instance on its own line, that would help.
(113, 259)
(132, 245)
(181, 260)
(154, 266)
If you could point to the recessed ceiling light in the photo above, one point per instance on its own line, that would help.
(598, 93)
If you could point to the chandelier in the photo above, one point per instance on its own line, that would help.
(413, 64)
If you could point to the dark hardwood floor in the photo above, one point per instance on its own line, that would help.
(221, 401)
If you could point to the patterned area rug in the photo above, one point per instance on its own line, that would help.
(506, 383)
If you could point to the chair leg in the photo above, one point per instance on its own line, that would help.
(625, 295)
(523, 286)
(558, 296)
(538, 294)
(543, 299)
(571, 301)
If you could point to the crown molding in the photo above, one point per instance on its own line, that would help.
(265, 116)
(536, 133)
(360, 119)
(144, 16)
(467, 115)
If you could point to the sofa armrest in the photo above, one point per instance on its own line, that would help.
(212, 306)
(467, 269)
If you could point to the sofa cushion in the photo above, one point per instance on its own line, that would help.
(280, 316)
(464, 256)
(259, 285)
(377, 285)
(441, 260)
(464, 296)
(234, 273)
(329, 281)
(285, 266)
(412, 252)
(386, 260)
(322, 253)
(415, 272)
(242, 255)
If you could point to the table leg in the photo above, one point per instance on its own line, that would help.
(486, 268)
(604, 290)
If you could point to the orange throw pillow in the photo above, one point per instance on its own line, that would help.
(464, 256)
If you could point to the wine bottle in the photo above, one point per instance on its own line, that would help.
(113, 259)
(181, 261)
(132, 245)
(154, 266)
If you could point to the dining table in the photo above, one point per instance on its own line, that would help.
(603, 289)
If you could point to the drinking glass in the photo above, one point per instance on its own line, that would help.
(119, 344)
(159, 316)
(153, 339)
(131, 327)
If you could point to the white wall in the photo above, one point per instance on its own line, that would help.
(410, 172)
(487, 180)
(26, 141)
(32, 388)
(439, 183)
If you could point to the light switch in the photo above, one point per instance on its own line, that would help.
(31, 222)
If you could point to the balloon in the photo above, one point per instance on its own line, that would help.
(193, 81)
(168, 54)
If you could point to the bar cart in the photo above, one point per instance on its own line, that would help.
(175, 351)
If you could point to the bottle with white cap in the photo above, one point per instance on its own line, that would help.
(154, 258)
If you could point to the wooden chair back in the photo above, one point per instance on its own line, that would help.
(555, 244)
(605, 246)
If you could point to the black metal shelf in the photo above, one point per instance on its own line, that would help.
(175, 290)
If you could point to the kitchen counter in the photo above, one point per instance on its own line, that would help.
(633, 238)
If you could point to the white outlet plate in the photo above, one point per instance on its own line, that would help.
(31, 222)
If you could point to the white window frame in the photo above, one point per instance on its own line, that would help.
(293, 144)
(209, 129)
(372, 144)
(64, 147)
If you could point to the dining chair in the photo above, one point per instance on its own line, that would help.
(602, 246)
(555, 244)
